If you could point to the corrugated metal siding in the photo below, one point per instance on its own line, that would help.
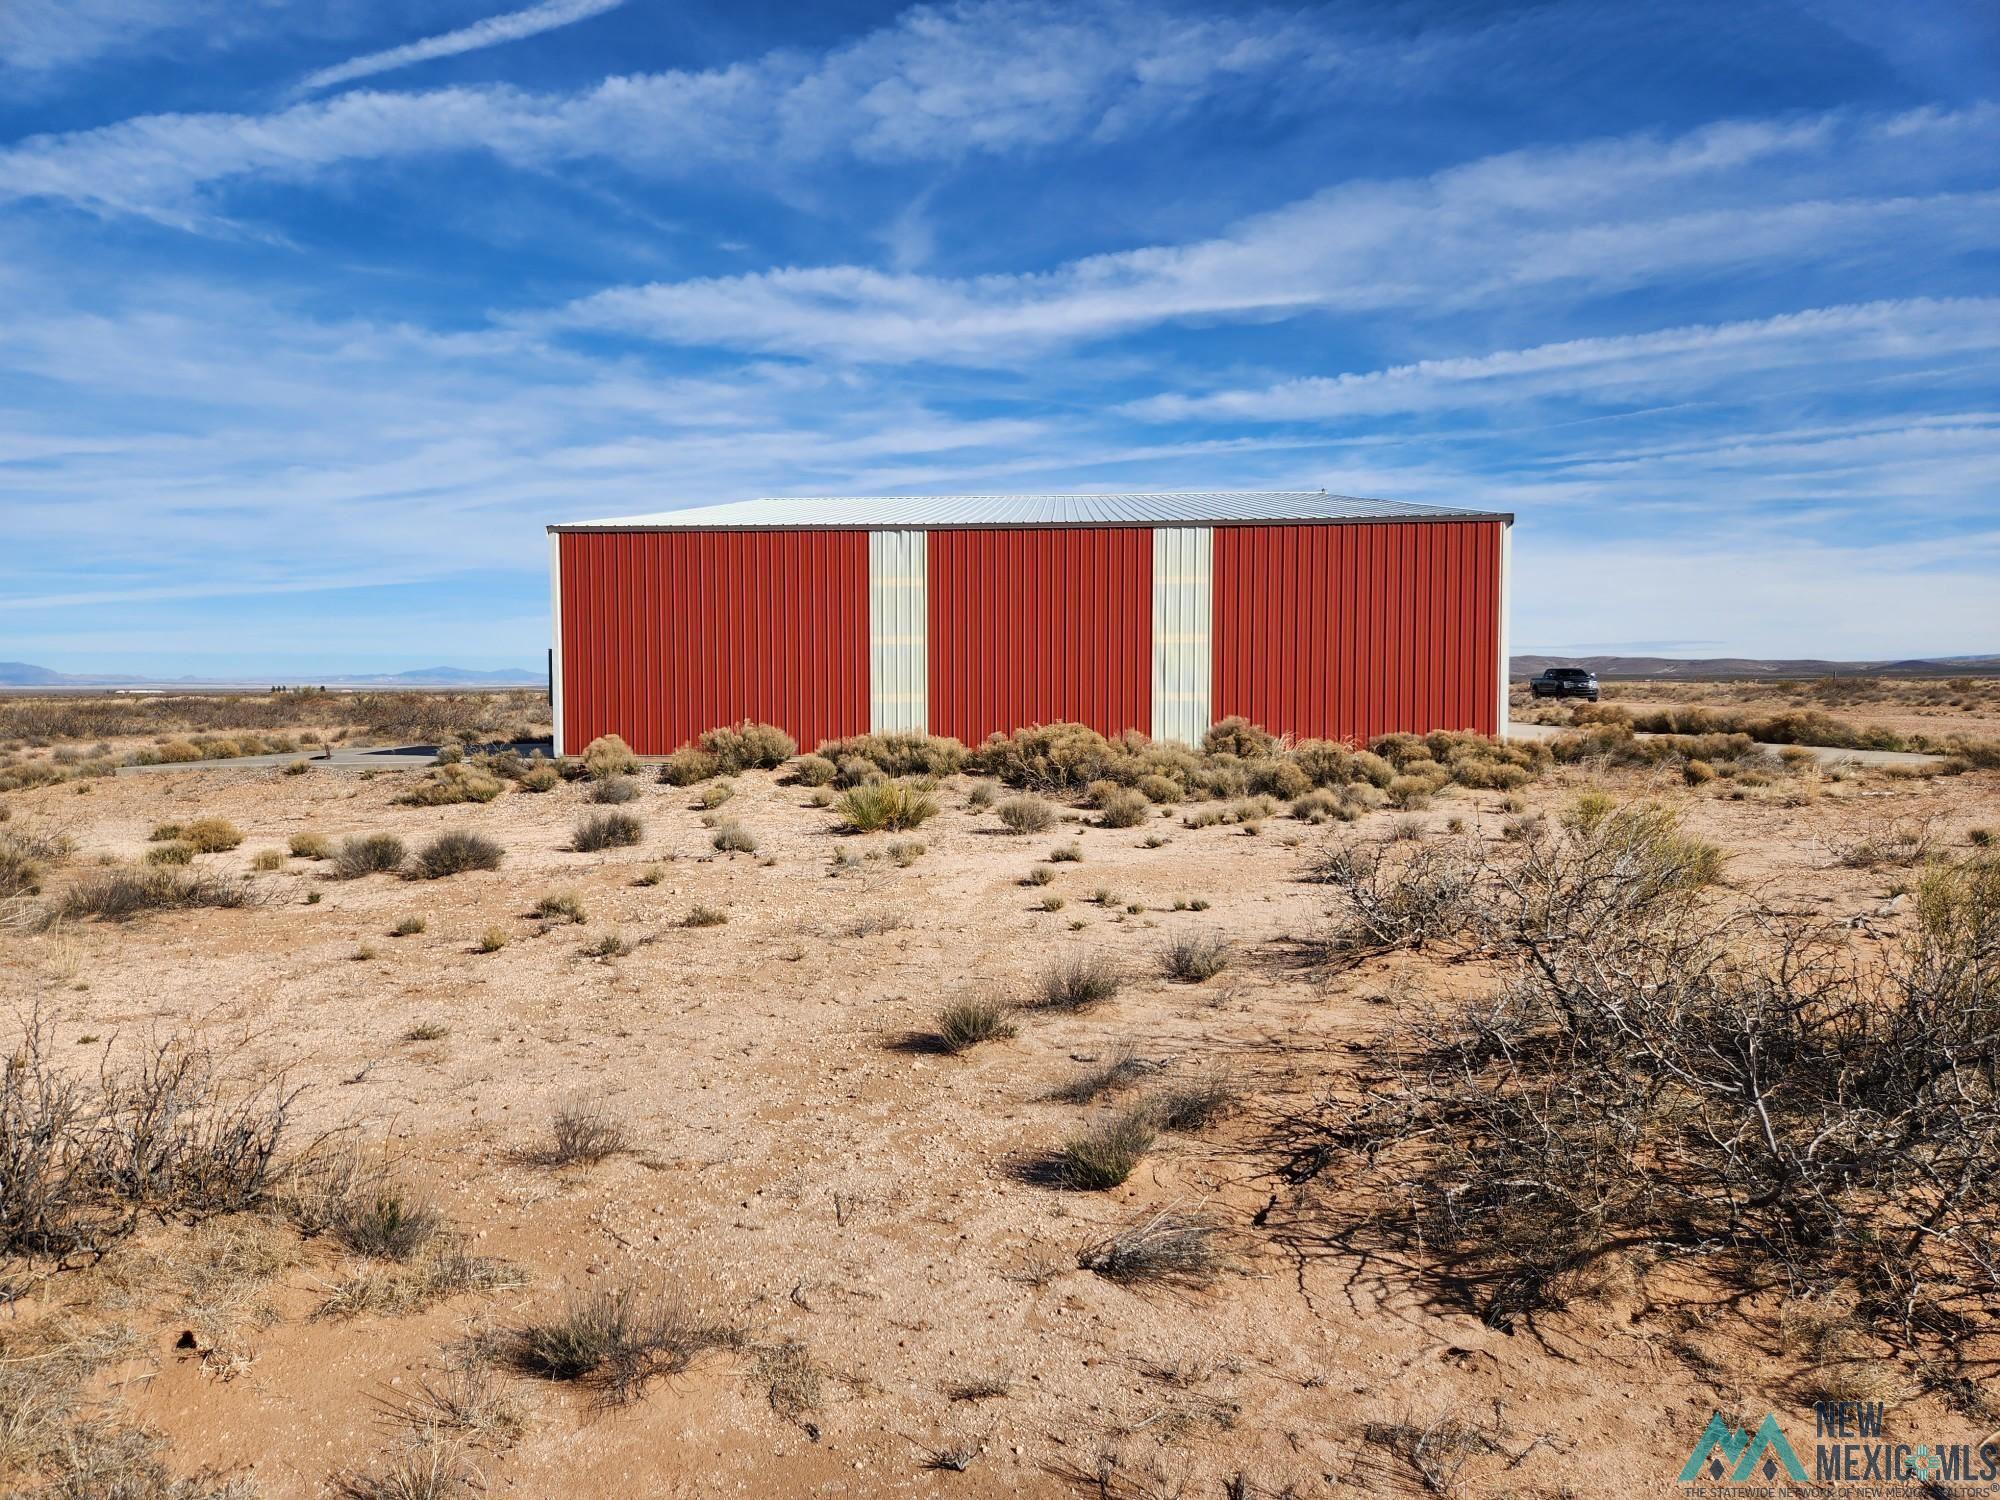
(666, 634)
(898, 621)
(1183, 613)
(1029, 627)
(1346, 632)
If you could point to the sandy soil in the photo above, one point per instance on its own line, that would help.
(800, 1167)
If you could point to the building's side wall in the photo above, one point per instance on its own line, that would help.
(1183, 617)
(1032, 626)
(898, 623)
(1344, 631)
(664, 634)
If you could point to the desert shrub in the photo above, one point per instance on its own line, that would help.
(20, 870)
(1058, 757)
(613, 790)
(749, 746)
(856, 770)
(561, 906)
(615, 1340)
(455, 851)
(1026, 815)
(704, 916)
(122, 892)
(715, 794)
(1316, 807)
(1172, 1248)
(967, 1023)
(980, 797)
(267, 860)
(1066, 854)
(175, 853)
(1195, 957)
(687, 766)
(386, 1224)
(893, 805)
(450, 755)
(581, 1132)
(900, 753)
(1119, 1070)
(448, 784)
(492, 940)
(1394, 894)
(310, 846)
(82, 1156)
(540, 778)
(1663, 1075)
(1105, 1155)
(1195, 1103)
(814, 770)
(1155, 787)
(609, 755)
(204, 835)
(733, 838)
(1239, 737)
(608, 830)
(1278, 776)
(368, 854)
(1078, 983)
(1885, 840)
(1122, 807)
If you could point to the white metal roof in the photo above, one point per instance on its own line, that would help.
(890, 512)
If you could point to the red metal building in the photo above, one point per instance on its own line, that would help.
(1314, 615)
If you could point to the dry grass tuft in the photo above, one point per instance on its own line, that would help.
(369, 854)
(1106, 1154)
(616, 1341)
(1195, 957)
(893, 806)
(454, 852)
(609, 830)
(1079, 983)
(966, 1023)
(581, 1133)
(1170, 1248)
(1026, 815)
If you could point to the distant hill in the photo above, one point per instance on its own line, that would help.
(21, 674)
(1720, 667)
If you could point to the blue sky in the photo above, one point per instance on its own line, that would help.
(312, 315)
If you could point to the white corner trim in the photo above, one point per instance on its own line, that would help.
(1501, 723)
(555, 642)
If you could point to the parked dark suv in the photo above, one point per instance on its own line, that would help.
(1564, 682)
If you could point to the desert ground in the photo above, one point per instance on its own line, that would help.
(886, 1281)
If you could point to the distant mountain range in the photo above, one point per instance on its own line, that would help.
(1717, 667)
(26, 674)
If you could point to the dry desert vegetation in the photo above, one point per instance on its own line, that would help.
(1063, 1117)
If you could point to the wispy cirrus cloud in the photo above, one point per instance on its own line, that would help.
(935, 85)
(493, 32)
(1620, 368)
(1591, 219)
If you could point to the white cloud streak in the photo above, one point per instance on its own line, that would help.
(1617, 369)
(1580, 220)
(937, 84)
(493, 32)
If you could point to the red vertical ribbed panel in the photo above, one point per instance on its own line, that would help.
(668, 633)
(1347, 631)
(1029, 627)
